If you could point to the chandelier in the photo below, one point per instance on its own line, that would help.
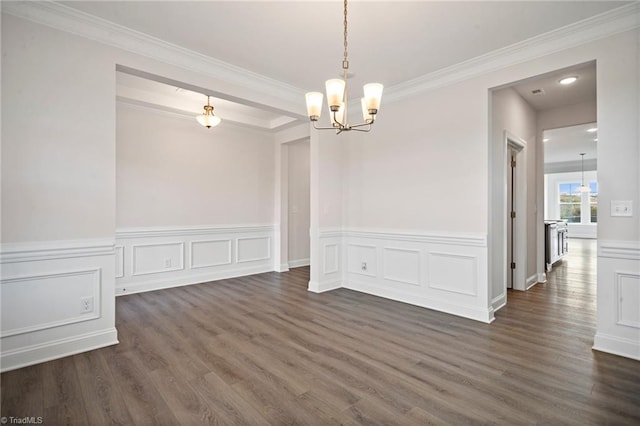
(208, 119)
(583, 187)
(337, 98)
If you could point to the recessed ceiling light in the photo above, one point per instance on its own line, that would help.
(592, 130)
(568, 80)
(595, 140)
(545, 140)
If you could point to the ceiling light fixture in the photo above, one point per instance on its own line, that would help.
(582, 187)
(337, 101)
(208, 119)
(592, 130)
(568, 80)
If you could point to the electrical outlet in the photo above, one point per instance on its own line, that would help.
(86, 304)
(167, 263)
(364, 266)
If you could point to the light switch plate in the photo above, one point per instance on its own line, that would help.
(622, 208)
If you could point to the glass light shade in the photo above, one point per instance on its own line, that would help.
(373, 95)
(208, 121)
(583, 188)
(314, 104)
(368, 118)
(339, 115)
(335, 91)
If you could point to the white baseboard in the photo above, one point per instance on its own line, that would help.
(48, 351)
(471, 312)
(499, 302)
(283, 267)
(316, 287)
(617, 346)
(542, 277)
(531, 281)
(162, 283)
(298, 263)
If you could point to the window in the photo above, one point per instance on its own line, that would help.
(576, 206)
(570, 202)
(593, 201)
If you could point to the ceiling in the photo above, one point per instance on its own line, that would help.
(565, 144)
(300, 42)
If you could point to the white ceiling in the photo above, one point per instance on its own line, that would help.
(300, 42)
(565, 144)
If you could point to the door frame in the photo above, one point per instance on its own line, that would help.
(519, 145)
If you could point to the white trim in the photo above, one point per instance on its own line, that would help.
(180, 267)
(531, 281)
(298, 263)
(499, 302)
(619, 299)
(485, 315)
(283, 267)
(542, 278)
(597, 27)
(470, 239)
(59, 249)
(325, 270)
(35, 354)
(619, 249)
(190, 230)
(208, 265)
(162, 283)
(96, 274)
(73, 21)
(316, 287)
(119, 252)
(385, 276)
(617, 345)
(254, 259)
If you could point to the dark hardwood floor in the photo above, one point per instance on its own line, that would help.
(262, 350)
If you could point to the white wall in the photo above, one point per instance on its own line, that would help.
(171, 171)
(59, 181)
(298, 202)
(511, 113)
(425, 166)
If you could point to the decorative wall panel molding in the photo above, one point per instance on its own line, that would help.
(402, 265)
(32, 302)
(57, 299)
(52, 250)
(154, 258)
(446, 272)
(165, 257)
(252, 249)
(331, 263)
(207, 253)
(628, 297)
(119, 261)
(453, 272)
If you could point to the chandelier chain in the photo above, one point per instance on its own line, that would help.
(345, 62)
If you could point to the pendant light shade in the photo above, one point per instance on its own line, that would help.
(583, 187)
(208, 119)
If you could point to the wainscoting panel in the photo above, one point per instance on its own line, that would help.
(253, 249)
(170, 257)
(331, 263)
(618, 294)
(26, 300)
(402, 265)
(153, 258)
(452, 272)
(58, 299)
(208, 253)
(445, 272)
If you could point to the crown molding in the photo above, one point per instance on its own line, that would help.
(70, 20)
(616, 21)
(73, 21)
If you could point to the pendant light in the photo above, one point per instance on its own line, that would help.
(208, 119)
(583, 187)
(337, 98)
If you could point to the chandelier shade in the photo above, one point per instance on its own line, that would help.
(207, 118)
(338, 102)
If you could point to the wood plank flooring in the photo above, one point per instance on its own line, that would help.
(262, 350)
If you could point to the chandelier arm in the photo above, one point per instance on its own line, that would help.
(322, 127)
